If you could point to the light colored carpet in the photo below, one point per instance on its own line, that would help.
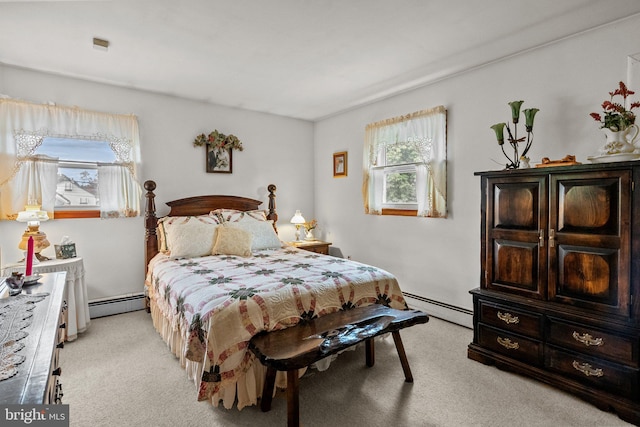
(121, 373)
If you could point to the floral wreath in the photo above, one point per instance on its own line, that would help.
(219, 141)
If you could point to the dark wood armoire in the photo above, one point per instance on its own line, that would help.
(560, 279)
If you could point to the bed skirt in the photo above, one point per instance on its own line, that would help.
(245, 392)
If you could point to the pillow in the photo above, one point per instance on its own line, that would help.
(234, 215)
(191, 239)
(262, 233)
(165, 224)
(232, 241)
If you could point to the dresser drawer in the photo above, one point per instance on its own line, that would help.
(593, 342)
(596, 372)
(509, 344)
(523, 323)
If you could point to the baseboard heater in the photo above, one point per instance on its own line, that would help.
(116, 305)
(441, 310)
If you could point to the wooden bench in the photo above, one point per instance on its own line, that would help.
(301, 345)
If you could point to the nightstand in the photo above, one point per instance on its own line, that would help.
(75, 293)
(317, 246)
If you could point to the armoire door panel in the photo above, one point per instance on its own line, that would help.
(591, 204)
(516, 224)
(515, 265)
(587, 276)
(588, 255)
(516, 205)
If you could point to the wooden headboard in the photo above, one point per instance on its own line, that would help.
(198, 205)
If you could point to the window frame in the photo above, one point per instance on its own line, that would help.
(76, 211)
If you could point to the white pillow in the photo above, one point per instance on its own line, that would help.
(264, 236)
(232, 241)
(191, 239)
(166, 223)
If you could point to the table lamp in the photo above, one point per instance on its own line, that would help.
(32, 215)
(297, 220)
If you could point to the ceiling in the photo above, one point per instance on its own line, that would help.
(307, 59)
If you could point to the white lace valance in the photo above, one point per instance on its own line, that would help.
(23, 126)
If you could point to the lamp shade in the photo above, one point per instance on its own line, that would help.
(32, 215)
(297, 218)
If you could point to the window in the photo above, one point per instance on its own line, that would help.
(77, 184)
(73, 162)
(405, 165)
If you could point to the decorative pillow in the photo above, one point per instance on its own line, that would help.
(234, 215)
(191, 239)
(165, 224)
(262, 233)
(232, 241)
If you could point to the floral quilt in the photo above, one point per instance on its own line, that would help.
(219, 302)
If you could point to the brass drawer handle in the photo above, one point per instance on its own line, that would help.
(587, 369)
(506, 343)
(508, 318)
(587, 339)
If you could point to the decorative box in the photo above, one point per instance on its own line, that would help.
(65, 251)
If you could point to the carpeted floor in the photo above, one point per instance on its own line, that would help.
(121, 373)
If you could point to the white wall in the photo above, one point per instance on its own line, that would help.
(434, 258)
(277, 150)
(439, 259)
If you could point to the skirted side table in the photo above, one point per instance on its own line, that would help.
(75, 293)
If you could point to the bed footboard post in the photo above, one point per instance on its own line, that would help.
(150, 223)
(272, 206)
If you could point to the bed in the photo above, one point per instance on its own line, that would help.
(207, 307)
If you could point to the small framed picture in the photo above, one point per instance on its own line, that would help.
(219, 160)
(340, 164)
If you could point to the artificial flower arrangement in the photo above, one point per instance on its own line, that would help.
(616, 116)
(310, 225)
(512, 137)
(219, 141)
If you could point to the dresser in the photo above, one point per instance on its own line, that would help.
(37, 378)
(560, 279)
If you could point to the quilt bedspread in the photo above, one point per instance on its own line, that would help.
(219, 302)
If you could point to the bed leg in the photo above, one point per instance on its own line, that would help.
(293, 398)
(267, 390)
(408, 377)
(370, 352)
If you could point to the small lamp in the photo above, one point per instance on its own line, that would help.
(297, 220)
(32, 215)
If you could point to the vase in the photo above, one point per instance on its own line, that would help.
(620, 142)
(309, 235)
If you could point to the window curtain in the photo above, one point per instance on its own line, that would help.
(24, 125)
(33, 183)
(428, 128)
(119, 192)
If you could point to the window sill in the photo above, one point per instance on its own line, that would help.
(400, 212)
(76, 214)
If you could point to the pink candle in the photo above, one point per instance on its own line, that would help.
(29, 257)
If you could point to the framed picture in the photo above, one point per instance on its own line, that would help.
(219, 160)
(340, 164)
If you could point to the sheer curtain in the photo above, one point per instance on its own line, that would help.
(35, 180)
(119, 192)
(427, 129)
(23, 126)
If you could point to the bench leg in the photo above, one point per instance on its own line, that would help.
(293, 399)
(267, 390)
(403, 357)
(370, 352)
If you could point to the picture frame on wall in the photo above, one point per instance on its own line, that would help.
(219, 160)
(340, 164)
